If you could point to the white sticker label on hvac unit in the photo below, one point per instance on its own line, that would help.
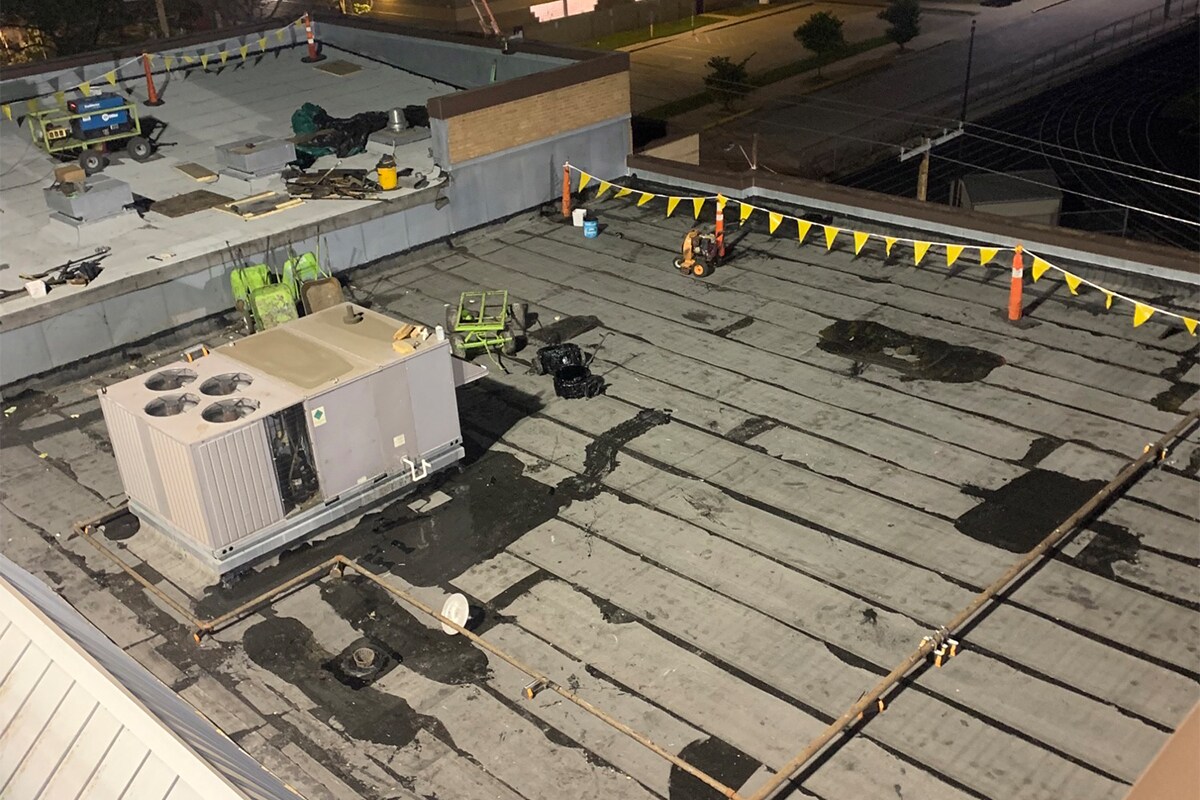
(398, 441)
(318, 416)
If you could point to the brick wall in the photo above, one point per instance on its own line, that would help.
(530, 119)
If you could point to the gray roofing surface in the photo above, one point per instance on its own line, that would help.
(801, 466)
(1029, 184)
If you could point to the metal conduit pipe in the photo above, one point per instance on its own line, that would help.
(1153, 452)
(337, 565)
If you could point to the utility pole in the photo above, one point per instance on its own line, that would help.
(162, 18)
(923, 150)
(962, 117)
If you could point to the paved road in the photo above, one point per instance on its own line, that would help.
(807, 132)
(675, 68)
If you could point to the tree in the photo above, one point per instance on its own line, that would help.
(727, 81)
(822, 34)
(904, 16)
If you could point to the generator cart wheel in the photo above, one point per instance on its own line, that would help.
(458, 347)
(702, 269)
(139, 148)
(92, 161)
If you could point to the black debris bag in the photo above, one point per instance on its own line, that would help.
(326, 134)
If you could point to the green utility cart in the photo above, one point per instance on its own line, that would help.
(83, 126)
(484, 320)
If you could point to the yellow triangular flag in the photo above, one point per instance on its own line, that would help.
(773, 220)
(32, 105)
(189, 60)
(111, 77)
(204, 60)
(150, 57)
(262, 44)
(243, 51)
(860, 240)
(584, 178)
(671, 203)
(953, 251)
(279, 34)
(721, 201)
(299, 23)
(1190, 324)
(85, 89)
(1073, 282)
(645, 198)
(1141, 313)
(1039, 268)
(747, 210)
(830, 234)
(919, 251)
(888, 241)
(802, 227)
(168, 61)
(697, 204)
(224, 56)
(624, 190)
(1108, 298)
(986, 254)
(60, 98)
(604, 187)
(7, 111)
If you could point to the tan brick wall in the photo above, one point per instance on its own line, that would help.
(490, 130)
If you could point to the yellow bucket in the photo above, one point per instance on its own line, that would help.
(387, 177)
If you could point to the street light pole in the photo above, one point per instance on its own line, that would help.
(962, 117)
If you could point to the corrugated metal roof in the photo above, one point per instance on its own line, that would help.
(1029, 184)
(80, 718)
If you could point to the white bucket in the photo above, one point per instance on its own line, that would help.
(577, 216)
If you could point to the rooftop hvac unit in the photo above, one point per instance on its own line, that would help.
(272, 437)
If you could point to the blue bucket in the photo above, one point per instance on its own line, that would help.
(591, 229)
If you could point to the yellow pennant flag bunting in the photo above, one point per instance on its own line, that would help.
(111, 77)
(697, 204)
(1108, 298)
(1039, 268)
(919, 251)
(802, 227)
(243, 51)
(224, 56)
(773, 220)
(604, 187)
(747, 210)
(189, 60)
(888, 241)
(60, 98)
(7, 110)
(721, 201)
(671, 203)
(645, 198)
(986, 254)
(168, 62)
(204, 60)
(624, 190)
(1190, 324)
(262, 45)
(584, 178)
(953, 251)
(1073, 282)
(299, 23)
(860, 240)
(1141, 313)
(830, 234)
(279, 34)
(32, 105)
(85, 89)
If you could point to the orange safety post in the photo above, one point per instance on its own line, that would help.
(566, 196)
(720, 231)
(152, 98)
(1018, 279)
(313, 56)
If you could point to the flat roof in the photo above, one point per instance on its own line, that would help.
(201, 110)
(801, 466)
